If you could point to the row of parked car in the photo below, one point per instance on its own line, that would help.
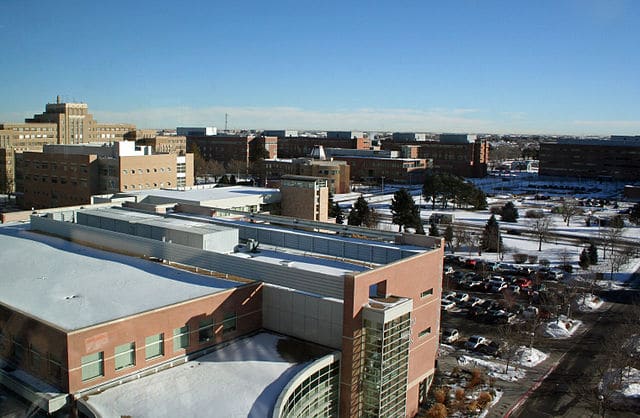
(451, 261)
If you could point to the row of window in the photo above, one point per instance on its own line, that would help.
(146, 185)
(125, 354)
(148, 170)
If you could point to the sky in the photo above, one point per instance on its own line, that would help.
(511, 66)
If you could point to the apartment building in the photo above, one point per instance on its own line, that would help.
(136, 319)
(305, 197)
(66, 175)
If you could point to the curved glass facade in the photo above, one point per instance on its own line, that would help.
(313, 393)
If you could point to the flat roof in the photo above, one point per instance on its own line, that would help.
(200, 195)
(156, 220)
(242, 379)
(73, 287)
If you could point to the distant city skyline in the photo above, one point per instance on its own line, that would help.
(547, 67)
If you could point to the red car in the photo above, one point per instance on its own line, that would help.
(523, 282)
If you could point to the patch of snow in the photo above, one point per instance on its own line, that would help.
(588, 302)
(562, 327)
(529, 357)
(497, 370)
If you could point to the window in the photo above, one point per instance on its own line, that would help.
(153, 346)
(125, 355)
(92, 366)
(36, 360)
(181, 338)
(205, 330)
(425, 332)
(426, 293)
(229, 323)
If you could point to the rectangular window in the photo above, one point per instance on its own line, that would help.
(125, 355)
(153, 346)
(205, 330)
(425, 332)
(229, 323)
(181, 338)
(426, 293)
(93, 366)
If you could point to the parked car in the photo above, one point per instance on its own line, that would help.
(447, 304)
(470, 262)
(448, 295)
(490, 349)
(497, 287)
(555, 274)
(450, 335)
(460, 297)
(523, 282)
(515, 289)
(448, 270)
(474, 301)
(530, 312)
(474, 341)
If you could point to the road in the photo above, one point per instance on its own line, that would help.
(568, 390)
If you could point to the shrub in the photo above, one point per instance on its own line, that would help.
(520, 258)
(440, 395)
(534, 214)
(495, 210)
(484, 398)
(476, 379)
(544, 262)
(438, 410)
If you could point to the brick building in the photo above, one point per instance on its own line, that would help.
(615, 158)
(337, 173)
(65, 175)
(134, 319)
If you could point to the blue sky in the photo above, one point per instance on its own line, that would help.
(544, 66)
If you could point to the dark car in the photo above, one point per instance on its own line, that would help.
(491, 349)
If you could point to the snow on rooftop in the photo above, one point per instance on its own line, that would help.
(242, 379)
(73, 287)
(200, 195)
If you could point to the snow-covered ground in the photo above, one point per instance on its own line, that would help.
(562, 327)
(494, 369)
(530, 357)
(587, 302)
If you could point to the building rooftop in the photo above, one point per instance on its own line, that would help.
(204, 196)
(73, 287)
(242, 379)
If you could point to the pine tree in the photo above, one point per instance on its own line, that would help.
(359, 213)
(337, 213)
(433, 230)
(448, 235)
(584, 259)
(419, 228)
(491, 240)
(404, 211)
(509, 213)
(593, 254)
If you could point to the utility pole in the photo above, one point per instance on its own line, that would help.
(226, 120)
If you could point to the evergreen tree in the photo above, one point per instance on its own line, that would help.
(333, 207)
(448, 235)
(491, 240)
(337, 213)
(370, 218)
(634, 214)
(431, 188)
(509, 213)
(433, 230)
(223, 180)
(404, 211)
(419, 227)
(233, 180)
(359, 212)
(593, 254)
(479, 200)
(584, 259)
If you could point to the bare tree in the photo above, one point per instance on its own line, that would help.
(568, 209)
(540, 229)
(610, 238)
(461, 238)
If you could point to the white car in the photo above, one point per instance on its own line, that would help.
(450, 335)
(475, 301)
(447, 304)
(460, 297)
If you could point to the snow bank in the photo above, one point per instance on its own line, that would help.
(497, 370)
(563, 327)
(588, 302)
(529, 357)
